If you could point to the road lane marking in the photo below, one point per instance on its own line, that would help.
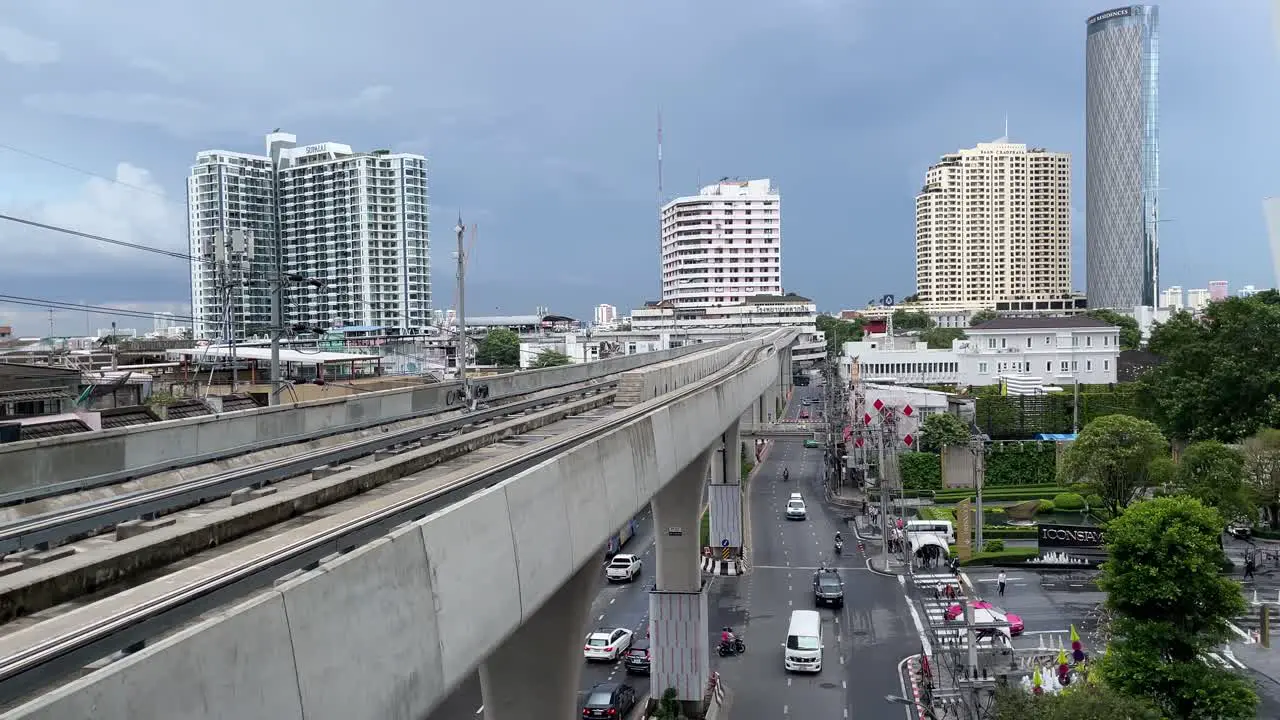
(785, 709)
(600, 618)
(480, 710)
(788, 682)
(612, 600)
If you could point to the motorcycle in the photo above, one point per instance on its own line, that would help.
(736, 647)
(839, 547)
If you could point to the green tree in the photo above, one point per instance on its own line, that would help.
(501, 347)
(982, 316)
(940, 338)
(941, 430)
(838, 332)
(1113, 455)
(1262, 470)
(1218, 378)
(551, 358)
(1130, 335)
(1169, 606)
(1087, 701)
(1214, 474)
(669, 706)
(907, 320)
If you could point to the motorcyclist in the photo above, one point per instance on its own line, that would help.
(839, 539)
(786, 474)
(727, 637)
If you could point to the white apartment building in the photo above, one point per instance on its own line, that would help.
(723, 245)
(355, 221)
(1172, 298)
(1045, 351)
(606, 315)
(756, 313)
(1198, 299)
(993, 223)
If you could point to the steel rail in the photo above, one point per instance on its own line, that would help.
(28, 495)
(38, 666)
(55, 527)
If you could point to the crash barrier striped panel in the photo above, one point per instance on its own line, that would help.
(715, 566)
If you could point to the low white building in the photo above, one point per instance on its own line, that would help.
(722, 322)
(957, 314)
(1050, 350)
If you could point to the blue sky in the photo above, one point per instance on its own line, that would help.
(538, 120)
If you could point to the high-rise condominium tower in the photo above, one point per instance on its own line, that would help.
(993, 223)
(357, 221)
(723, 245)
(1122, 155)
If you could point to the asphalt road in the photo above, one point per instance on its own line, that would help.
(621, 605)
(863, 641)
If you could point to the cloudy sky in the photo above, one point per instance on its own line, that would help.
(539, 120)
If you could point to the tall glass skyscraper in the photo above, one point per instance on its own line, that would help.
(1122, 155)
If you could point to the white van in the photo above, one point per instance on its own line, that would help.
(802, 652)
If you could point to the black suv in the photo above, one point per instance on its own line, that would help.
(609, 700)
(636, 659)
(828, 588)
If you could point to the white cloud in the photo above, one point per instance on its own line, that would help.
(133, 208)
(21, 48)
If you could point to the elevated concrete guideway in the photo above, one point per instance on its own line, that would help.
(499, 581)
(782, 430)
(122, 453)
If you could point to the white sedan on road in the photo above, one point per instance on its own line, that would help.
(623, 568)
(607, 644)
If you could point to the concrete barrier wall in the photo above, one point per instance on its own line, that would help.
(386, 631)
(145, 449)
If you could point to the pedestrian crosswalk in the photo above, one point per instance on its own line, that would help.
(936, 592)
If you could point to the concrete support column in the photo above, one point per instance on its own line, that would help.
(679, 646)
(536, 672)
(725, 494)
(680, 638)
(677, 523)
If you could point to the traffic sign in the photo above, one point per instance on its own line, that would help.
(724, 542)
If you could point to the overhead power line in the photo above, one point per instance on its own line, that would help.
(79, 307)
(100, 238)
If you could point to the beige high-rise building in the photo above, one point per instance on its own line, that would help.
(993, 223)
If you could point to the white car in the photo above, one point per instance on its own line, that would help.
(607, 644)
(622, 568)
(796, 496)
(796, 510)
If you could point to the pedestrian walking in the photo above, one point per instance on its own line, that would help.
(937, 590)
(1000, 582)
(1248, 568)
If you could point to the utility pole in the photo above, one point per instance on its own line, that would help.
(230, 253)
(462, 312)
(979, 449)
(882, 439)
(276, 287)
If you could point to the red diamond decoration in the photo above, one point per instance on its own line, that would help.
(878, 405)
(908, 440)
(858, 442)
(866, 419)
(908, 410)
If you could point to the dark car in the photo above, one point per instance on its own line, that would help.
(609, 700)
(636, 660)
(828, 588)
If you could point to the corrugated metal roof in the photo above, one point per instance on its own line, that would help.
(233, 403)
(33, 431)
(1041, 323)
(186, 409)
(505, 321)
(126, 417)
(38, 394)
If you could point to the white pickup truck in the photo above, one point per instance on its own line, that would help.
(622, 568)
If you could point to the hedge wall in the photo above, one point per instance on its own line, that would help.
(1018, 464)
(920, 471)
(1011, 417)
